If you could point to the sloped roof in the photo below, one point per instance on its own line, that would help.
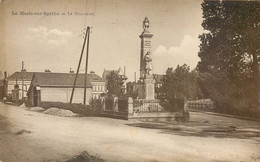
(65, 79)
(28, 76)
(19, 75)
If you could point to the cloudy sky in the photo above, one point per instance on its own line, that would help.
(54, 42)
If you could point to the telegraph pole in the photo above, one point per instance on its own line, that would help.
(72, 93)
(86, 68)
(22, 80)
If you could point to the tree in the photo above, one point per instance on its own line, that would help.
(228, 68)
(180, 83)
(114, 84)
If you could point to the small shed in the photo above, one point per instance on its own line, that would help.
(57, 87)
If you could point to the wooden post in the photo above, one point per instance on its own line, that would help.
(86, 68)
(72, 93)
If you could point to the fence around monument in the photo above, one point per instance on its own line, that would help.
(143, 105)
(127, 107)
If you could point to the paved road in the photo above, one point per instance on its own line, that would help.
(33, 136)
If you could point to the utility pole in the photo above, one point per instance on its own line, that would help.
(5, 84)
(86, 69)
(72, 93)
(22, 80)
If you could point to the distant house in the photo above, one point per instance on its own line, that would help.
(98, 85)
(57, 87)
(22, 79)
(158, 84)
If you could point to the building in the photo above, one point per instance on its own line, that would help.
(98, 85)
(158, 84)
(23, 80)
(57, 87)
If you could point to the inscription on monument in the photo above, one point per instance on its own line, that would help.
(147, 43)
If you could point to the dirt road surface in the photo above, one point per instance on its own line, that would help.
(34, 136)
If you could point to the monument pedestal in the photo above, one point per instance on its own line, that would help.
(149, 87)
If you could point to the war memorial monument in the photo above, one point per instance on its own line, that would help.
(145, 105)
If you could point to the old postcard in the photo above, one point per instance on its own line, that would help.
(120, 80)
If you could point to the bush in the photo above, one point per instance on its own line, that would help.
(173, 104)
(239, 109)
(83, 110)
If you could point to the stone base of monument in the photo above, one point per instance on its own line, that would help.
(152, 115)
(149, 87)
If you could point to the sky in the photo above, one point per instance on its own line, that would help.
(49, 41)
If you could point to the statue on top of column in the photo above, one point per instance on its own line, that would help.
(146, 24)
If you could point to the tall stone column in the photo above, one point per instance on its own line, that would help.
(145, 46)
(146, 62)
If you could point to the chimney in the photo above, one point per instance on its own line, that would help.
(124, 70)
(71, 71)
(23, 69)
